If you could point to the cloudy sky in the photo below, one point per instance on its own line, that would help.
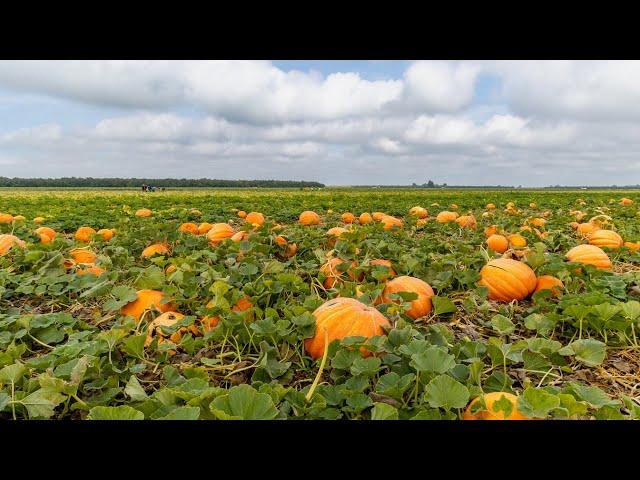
(529, 123)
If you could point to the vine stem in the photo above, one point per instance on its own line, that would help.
(322, 363)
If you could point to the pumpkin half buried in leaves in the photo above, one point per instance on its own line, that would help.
(146, 300)
(508, 279)
(421, 305)
(493, 410)
(341, 318)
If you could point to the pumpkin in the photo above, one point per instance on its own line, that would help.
(379, 262)
(155, 249)
(490, 206)
(446, 216)
(171, 268)
(390, 222)
(210, 322)
(533, 205)
(466, 221)
(242, 214)
(340, 318)
(538, 222)
(239, 236)
(525, 228)
(85, 234)
(45, 238)
(219, 232)
(90, 270)
(82, 255)
(626, 201)
(19, 218)
(168, 319)
(421, 305)
(146, 300)
(144, 212)
(333, 275)
(38, 220)
(489, 413)
(589, 255)
(549, 282)
(309, 218)
(204, 228)
(498, 243)
(7, 241)
(491, 230)
(377, 216)
(508, 279)
(605, 238)
(291, 248)
(348, 217)
(585, 229)
(106, 233)
(334, 234)
(365, 218)
(421, 222)
(46, 231)
(6, 218)
(633, 246)
(255, 218)
(191, 228)
(573, 225)
(517, 241)
(419, 212)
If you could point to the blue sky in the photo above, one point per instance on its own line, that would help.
(339, 122)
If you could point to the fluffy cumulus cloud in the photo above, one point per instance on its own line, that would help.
(541, 122)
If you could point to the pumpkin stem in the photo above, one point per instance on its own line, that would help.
(319, 374)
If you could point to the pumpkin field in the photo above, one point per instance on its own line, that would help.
(371, 304)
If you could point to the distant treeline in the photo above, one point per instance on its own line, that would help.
(157, 182)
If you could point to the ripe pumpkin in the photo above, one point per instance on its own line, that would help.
(605, 238)
(91, 270)
(334, 234)
(574, 225)
(82, 255)
(491, 230)
(49, 232)
(365, 218)
(498, 243)
(168, 319)
(549, 282)
(467, 221)
(589, 255)
(517, 241)
(379, 262)
(419, 212)
(144, 212)
(219, 232)
(6, 218)
(490, 206)
(348, 217)
(626, 201)
(533, 205)
(191, 228)
(446, 216)
(146, 300)
(421, 222)
(7, 241)
(85, 234)
(106, 233)
(377, 216)
(587, 228)
(489, 413)
(309, 217)
(239, 236)
(155, 249)
(38, 220)
(390, 222)
(242, 214)
(255, 218)
(210, 322)
(290, 248)
(633, 246)
(204, 228)
(333, 275)
(508, 279)
(421, 305)
(344, 317)
(538, 222)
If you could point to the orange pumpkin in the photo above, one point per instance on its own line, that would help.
(85, 234)
(466, 221)
(633, 246)
(239, 236)
(605, 238)
(210, 322)
(390, 222)
(106, 233)
(490, 206)
(365, 218)
(489, 413)
(377, 216)
(533, 205)
(498, 243)
(168, 319)
(517, 241)
(242, 214)
(255, 218)
(446, 216)
(549, 282)
(348, 217)
(538, 222)
(144, 212)
(333, 275)
(90, 270)
(421, 306)
(419, 212)
(309, 217)
(191, 228)
(146, 300)
(334, 234)
(589, 255)
(491, 230)
(421, 222)
(508, 279)
(204, 228)
(155, 249)
(626, 201)
(82, 255)
(7, 241)
(587, 228)
(384, 263)
(48, 232)
(38, 220)
(343, 317)
(219, 232)
(6, 218)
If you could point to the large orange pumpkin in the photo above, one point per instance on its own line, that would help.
(421, 305)
(589, 255)
(82, 255)
(290, 248)
(390, 222)
(377, 216)
(155, 249)
(508, 279)
(549, 282)
(106, 233)
(419, 212)
(446, 216)
(144, 212)
(587, 228)
(85, 234)
(147, 299)
(49, 232)
(498, 243)
(489, 413)
(348, 217)
(7, 241)
(605, 238)
(219, 232)
(626, 201)
(204, 228)
(6, 218)
(517, 241)
(365, 218)
(242, 214)
(255, 218)
(239, 236)
(333, 275)
(466, 221)
(340, 318)
(90, 270)
(191, 228)
(309, 217)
